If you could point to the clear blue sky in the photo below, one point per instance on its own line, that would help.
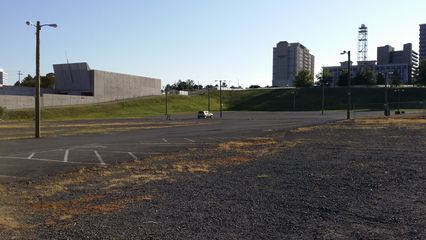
(202, 40)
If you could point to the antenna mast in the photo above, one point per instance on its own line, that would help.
(362, 43)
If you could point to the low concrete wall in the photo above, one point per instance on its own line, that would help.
(47, 100)
(22, 91)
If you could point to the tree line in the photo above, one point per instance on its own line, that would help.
(47, 81)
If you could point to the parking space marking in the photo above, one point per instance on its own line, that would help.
(45, 160)
(133, 156)
(189, 140)
(99, 157)
(31, 155)
(67, 152)
(165, 140)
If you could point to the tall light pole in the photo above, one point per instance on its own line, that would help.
(38, 27)
(399, 90)
(323, 97)
(167, 113)
(220, 95)
(387, 110)
(348, 113)
(294, 99)
(208, 96)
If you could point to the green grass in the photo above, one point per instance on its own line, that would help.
(251, 100)
(150, 106)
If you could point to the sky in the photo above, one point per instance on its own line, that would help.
(202, 40)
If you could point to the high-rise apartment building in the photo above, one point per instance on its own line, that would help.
(422, 44)
(2, 76)
(288, 60)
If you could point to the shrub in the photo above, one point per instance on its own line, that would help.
(2, 112)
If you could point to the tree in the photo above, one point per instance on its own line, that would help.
(396, 79)
(343, 78)
(28, 81)
(324, 77)
(187, 85)
(47, 81)
(254, 86)
(380, 79)
(364, 77)
(421, 74)
(304, 79)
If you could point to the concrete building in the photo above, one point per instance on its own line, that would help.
(76, 84)
(79, 79)
(388, 61)
(288, 60)
(422, 44)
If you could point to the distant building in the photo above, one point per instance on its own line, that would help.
(79, 79)
(77, 84)
(422, 44)
(2, 76)
(388, 61)
(288, 60)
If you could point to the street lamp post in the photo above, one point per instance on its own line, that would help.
(220, 95)
(399, 90)
(348, 113)
(323, 97)
(208, 97)
(387, 110)
(38, 27)
(167, 113)
(294, 100)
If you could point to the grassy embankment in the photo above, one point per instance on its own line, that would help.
(252, 100)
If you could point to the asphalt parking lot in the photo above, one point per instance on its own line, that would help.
(28, 158)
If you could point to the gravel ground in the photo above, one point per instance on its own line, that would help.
(338, 181)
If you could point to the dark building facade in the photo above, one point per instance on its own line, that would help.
(422, 44)
(403, 62)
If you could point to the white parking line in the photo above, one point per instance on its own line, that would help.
(99, 157)
(189, 140)
(133, 156)
(67, 152)
(44, 160)
(165, 140)
(31, 155)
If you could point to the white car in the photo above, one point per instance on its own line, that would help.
(205, 114)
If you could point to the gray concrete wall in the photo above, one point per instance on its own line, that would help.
(114, 86)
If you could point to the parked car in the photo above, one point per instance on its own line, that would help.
(205, 114)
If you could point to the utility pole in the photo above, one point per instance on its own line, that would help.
(37, 82)
(19, 76)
